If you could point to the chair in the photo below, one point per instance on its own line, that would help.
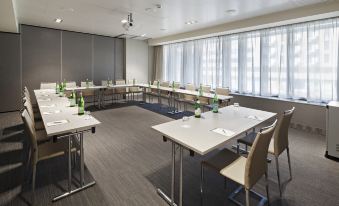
(224, 92)
(70, 84)
(204, 101)
(244, 171)
(278, 144)
(47, 85)
(187, 98)
(153, 92)
(45, 151)
(88, 93)
(38, 124)
(164, 94)
(133, 90)
(107, 91)
(120, 92)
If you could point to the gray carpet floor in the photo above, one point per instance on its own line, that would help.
(129, 161)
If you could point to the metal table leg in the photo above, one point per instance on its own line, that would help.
(82, 168)
(170, 200)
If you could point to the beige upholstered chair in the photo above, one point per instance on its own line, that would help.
(245, 171)
(224, 92)
(47, 85)
(153, 92)
(164, 94)
(204, 101)
(133, 90)
(39, 152)
(121, 91)
(38, 124)
(108, 92)
(88, 93)
(278, 144)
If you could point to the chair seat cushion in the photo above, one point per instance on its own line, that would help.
(53, 149)
(235, 170)
(221, 160)
(248, 139)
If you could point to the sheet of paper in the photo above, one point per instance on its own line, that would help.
(58, 122)
(222, 131)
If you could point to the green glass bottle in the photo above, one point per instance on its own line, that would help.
(72, 99)
(173, 86)
(215, 103)
(64, 85)
(61, 90)
(197, 107)
(57, 89)
(133, 81)
(158, 84)
(81, 105)
(200, 90)
(149, 84)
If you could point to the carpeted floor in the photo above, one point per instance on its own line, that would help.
(129, 161)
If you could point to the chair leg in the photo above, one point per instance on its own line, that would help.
(267, 189)
(201, 184)
(33, 184)
(247, 197)
(289, 161)
(277, 165)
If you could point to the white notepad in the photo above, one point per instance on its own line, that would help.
(254, 117)
(44, 100)
(222, 131)
(51, 112)
(47, 106)
(58, 122)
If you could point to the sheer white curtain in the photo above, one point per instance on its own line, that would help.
(298, 61)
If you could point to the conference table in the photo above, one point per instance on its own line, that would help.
(172, 93)
(62, 121)
(205, 134)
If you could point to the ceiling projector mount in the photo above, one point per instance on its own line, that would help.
(128, 24)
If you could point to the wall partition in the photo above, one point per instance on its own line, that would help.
(49, 55)
(298, 61)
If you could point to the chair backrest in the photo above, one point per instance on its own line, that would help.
(206, 88)
(131, 81)
(256, 163)
(71, 84)
(177, 85)
(190, 87)
(26, 93)
(155, 82)
(280, 136)
(84, 84)
(222, 91)
(32, 135)
(104, 82)
(120, 82)
(164, 84)
(47, 85)
(28, 106)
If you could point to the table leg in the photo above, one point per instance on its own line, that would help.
(181, 178)
(82, 182)
(69, 163)
(169, 200)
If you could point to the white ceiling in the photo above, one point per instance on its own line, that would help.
(8, 21)
(103, 16)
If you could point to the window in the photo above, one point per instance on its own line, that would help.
(298, 61)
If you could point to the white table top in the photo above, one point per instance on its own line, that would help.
(169, 89)
(60, 109)
(196, 134)
(189, 92)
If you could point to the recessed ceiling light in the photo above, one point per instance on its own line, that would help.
(191, 22)
(231, 12)
(143, 35)
(163, 29)
(58, 20)
(124, 21)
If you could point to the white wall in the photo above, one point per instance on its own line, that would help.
(137, 60)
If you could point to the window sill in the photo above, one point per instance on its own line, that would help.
(281, 99)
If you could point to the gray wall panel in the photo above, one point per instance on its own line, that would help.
(10, 90)
(119, 59)
(76, 56)
(40, 56)
(103, 59)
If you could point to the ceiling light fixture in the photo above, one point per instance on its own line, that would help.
(143, 35)
(163, 29)
(124, 21)
(58, 20)
(231, 12)
(191, 22)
